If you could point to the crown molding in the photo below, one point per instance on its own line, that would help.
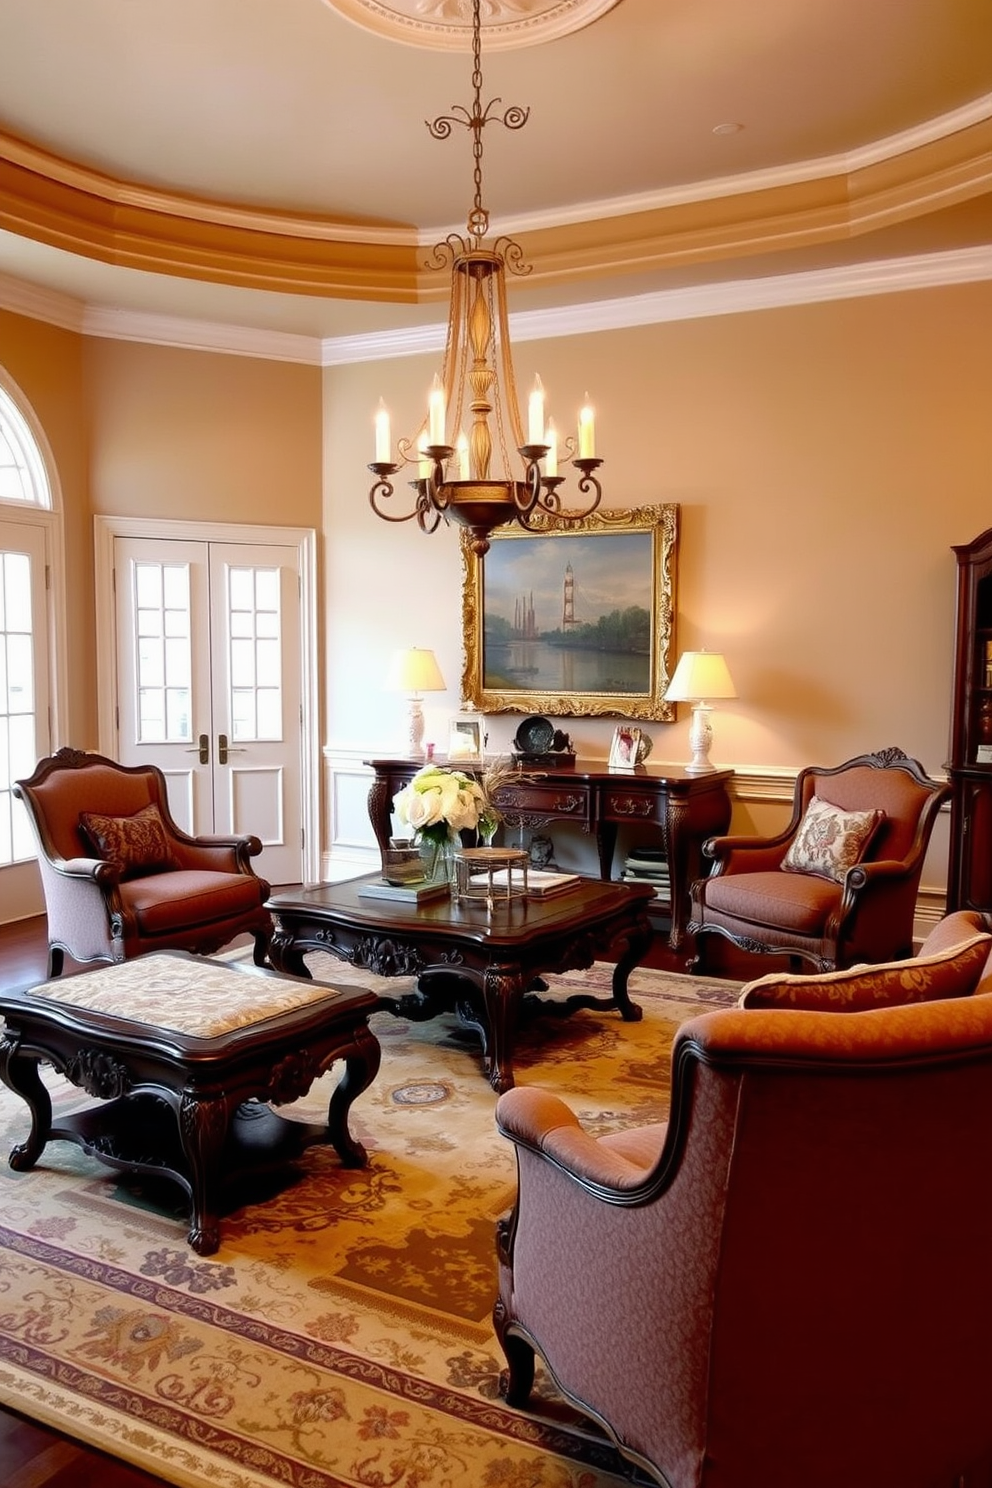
(894, 276)
(736, 297)
(49, 305)
(196, 335)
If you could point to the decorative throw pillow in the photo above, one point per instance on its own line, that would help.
(139, 842)
(829, 840)
(955, 972)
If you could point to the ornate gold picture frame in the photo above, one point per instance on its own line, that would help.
(574, 619)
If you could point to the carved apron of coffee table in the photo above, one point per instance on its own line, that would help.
(480, 965)
(182, 1090)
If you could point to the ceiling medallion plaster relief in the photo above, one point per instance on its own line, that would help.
(447, 24)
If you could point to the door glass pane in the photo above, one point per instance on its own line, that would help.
(254, 648)
(18, 737)
(163, 652)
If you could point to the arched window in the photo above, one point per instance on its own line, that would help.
(28, 547)
(23, 477)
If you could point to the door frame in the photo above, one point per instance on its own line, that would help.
(304, 539)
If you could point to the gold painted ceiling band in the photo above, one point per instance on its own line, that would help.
(55, 202)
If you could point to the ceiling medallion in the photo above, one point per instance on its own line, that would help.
(447, 24)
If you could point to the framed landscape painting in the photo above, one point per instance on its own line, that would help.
(574, 619)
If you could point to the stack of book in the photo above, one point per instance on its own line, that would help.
(540, 883)
(413, 893)
(649, 865)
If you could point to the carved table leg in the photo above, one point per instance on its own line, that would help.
(632, 949)
(284, 954)
(361, 1068)
(503, 989)
(22, 1077)
(202, 1128)
(677, 849)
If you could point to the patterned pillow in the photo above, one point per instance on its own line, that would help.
(955, 972)
(829, 841)
(139, 842)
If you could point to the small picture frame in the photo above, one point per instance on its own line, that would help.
(623, 750)
(465, 740)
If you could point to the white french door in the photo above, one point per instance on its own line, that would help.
(209, 687)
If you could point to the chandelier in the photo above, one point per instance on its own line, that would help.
(466, 477)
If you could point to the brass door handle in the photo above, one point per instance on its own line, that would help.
(202, 748)
(224, 749)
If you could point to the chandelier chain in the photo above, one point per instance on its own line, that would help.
(513, 117)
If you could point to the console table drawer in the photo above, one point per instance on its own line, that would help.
(622, 805)
(538, 799)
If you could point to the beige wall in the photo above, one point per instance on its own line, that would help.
(204, 437)
(824, 457)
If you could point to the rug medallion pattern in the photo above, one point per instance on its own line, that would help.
(341, 1336)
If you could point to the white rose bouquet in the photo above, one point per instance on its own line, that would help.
(439, 803)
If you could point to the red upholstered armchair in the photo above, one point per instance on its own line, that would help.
(120, 877)
(851, 893)
(786, 1286)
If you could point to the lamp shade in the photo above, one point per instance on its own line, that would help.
(699, 676)
(415, 670)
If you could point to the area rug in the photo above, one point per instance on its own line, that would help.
(342, 1334)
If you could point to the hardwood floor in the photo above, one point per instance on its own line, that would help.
(33, 1455)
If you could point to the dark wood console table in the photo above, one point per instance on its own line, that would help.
(685, 808)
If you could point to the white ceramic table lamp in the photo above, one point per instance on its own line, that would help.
(700, 677)
(415, 671)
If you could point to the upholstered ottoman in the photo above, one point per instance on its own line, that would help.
(179, 1050)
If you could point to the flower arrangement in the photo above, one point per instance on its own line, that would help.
(440, 803)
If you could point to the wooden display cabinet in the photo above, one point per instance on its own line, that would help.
(969, 769)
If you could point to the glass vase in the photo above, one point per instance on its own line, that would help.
(438, 859)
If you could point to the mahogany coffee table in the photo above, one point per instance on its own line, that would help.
(479, 965)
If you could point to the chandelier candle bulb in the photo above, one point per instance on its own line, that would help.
(551, 458)
(436, 412)
(535, 414)
(383, 439)
(587, 432)
(423, 464)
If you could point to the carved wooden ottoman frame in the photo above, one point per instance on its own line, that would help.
(179, 1050)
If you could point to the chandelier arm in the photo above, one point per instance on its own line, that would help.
(587, 483)
(382, 488)
(435, 490)
(427, 514)
(527, 493)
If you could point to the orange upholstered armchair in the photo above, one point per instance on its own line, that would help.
(120, 877)
(786, 1286)
(839, 885)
